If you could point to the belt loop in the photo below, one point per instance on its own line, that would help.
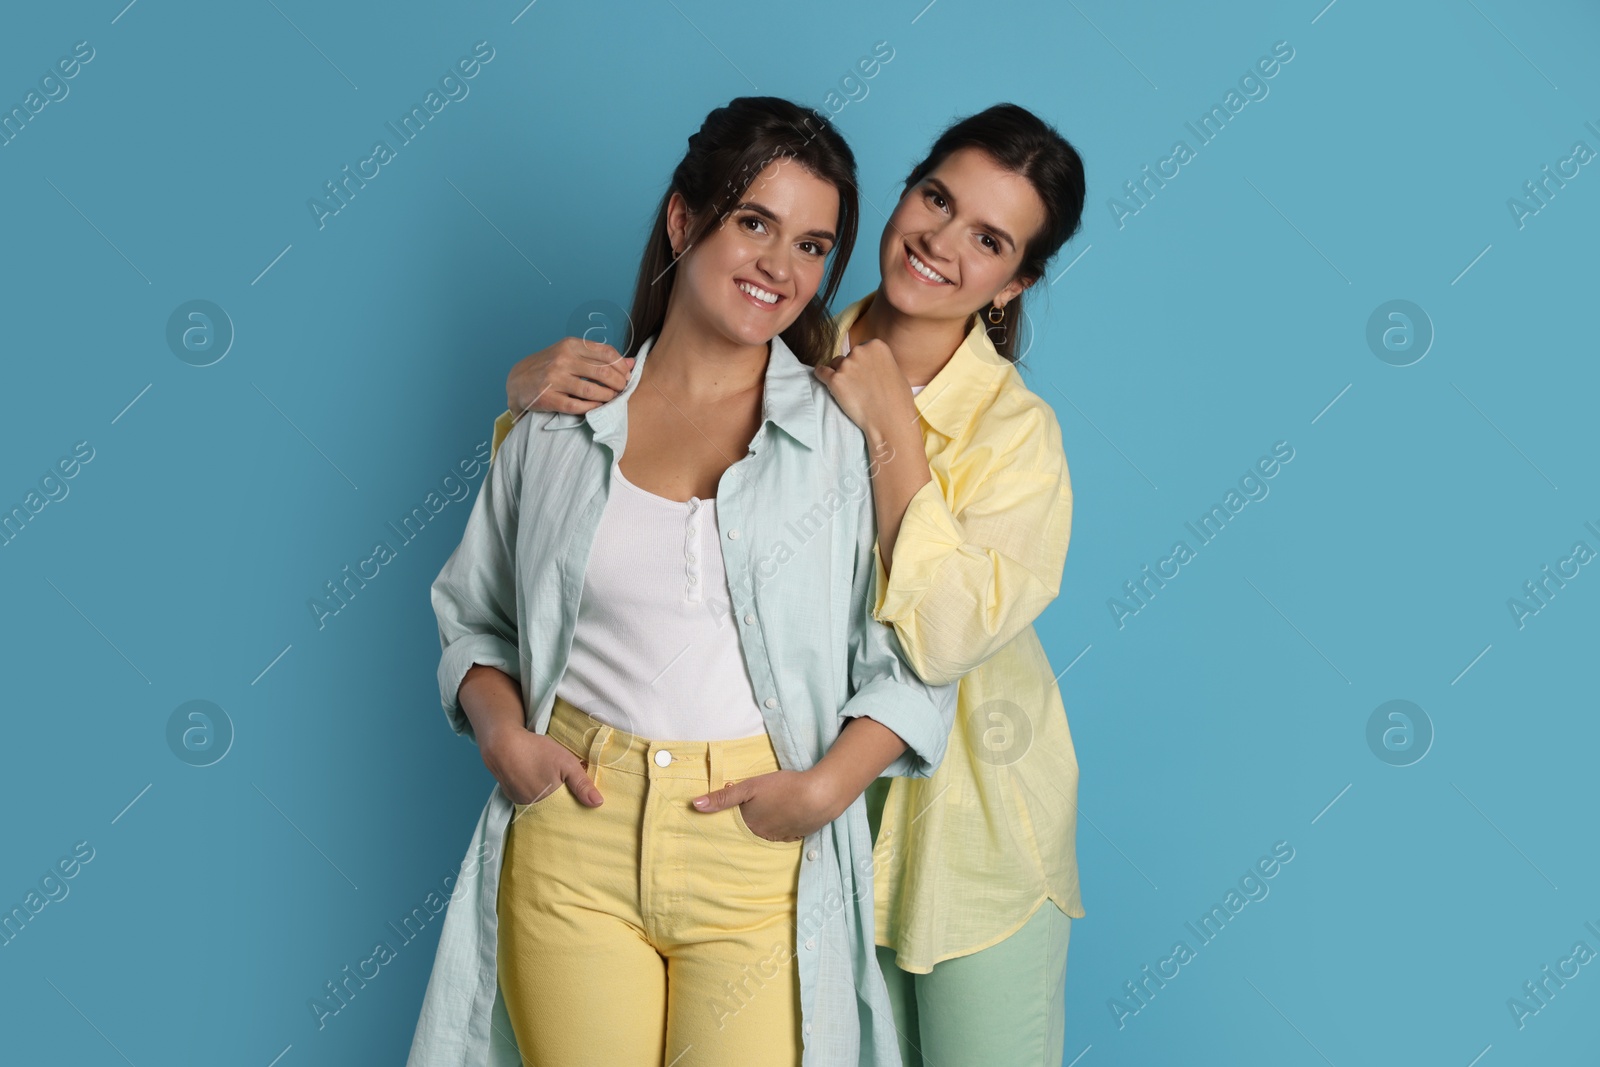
(597, 744)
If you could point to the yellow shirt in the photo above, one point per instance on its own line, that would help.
(964, 858)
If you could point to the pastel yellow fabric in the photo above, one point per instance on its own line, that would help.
(502, 426)
(965, 857)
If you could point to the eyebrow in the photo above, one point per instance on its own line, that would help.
(766, 212)
(944, 191)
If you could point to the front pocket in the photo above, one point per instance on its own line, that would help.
(744, 828)
(519, 810)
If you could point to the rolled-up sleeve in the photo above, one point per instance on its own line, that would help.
(883, 685)
(475, 595)
(964, 584)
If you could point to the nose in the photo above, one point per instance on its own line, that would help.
(937, 242)
(775, 264)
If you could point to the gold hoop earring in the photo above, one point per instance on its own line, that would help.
(997, 314)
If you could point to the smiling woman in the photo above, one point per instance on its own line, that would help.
(975, 873)
(680, 789)
(725, 184)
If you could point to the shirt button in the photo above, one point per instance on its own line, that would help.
(691, 557)
(663, 757)
(693, 580)
(808, 1028)
(772, 702)
(811, 854)
(749, 620)
(811, 943)
(733, 535)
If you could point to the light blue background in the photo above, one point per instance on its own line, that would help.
(1224, 316)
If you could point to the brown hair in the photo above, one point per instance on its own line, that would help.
(733, 146)
(1024, 144)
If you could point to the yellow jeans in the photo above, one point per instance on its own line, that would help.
(643, 932)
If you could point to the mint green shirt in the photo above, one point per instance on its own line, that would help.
(797, 531)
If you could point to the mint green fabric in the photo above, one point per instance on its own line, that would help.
(1001, 1005)
(796, 520)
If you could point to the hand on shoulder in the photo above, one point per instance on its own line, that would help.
(573, 375)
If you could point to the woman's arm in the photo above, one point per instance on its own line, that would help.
(871, 389)
(957, 588)
(790, 805)
(474, 598)
(892, 723)
(899, 469)
(572, 375)
(864, 749)
(492, 701)
(528, 766)
(964, 585)
(886, 690)
(475, 595)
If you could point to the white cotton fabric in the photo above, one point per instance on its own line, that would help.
(656, 648)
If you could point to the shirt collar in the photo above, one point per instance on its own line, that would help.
(973, 372)
(786, 400)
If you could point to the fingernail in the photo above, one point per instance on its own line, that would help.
(701, 802)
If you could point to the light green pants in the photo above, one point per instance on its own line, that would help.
(1005, 1004)
(1002, 1005)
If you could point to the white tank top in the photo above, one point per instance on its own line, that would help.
(656, 648)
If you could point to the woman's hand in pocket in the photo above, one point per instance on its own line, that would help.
(530, 766)
(779, 806)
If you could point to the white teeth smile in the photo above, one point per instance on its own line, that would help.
(759, 293)
(925, 270)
